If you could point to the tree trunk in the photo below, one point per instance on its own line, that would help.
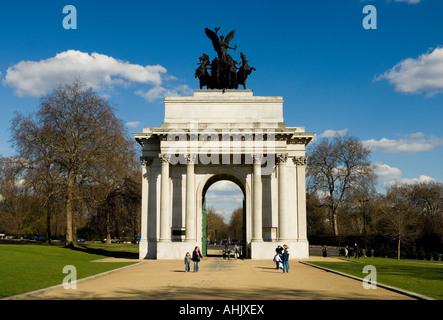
(108, 228)
(70, 241)
(48, 224)
(335, 223)
(398, 248)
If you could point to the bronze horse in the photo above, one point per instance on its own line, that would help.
(244, 71)
(202, 72)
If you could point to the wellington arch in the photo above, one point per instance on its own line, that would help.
(223, 134)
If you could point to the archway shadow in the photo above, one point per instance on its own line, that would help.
(106, 253)
(217, 293)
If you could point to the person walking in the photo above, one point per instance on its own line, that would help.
(285, 259)
(356, 251)
(236, 252)
(196, 257)
(324, 251)
(187, 261)
(346, 251)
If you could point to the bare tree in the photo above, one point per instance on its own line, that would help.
(85, 142)
(336, 166)
(402, 220)
(119, 212)
(14, 197)
(316, 215)
(236, 224)
(427, 200)
(216, 227)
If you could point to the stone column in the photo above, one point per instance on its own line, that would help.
(165, 229)
(143, 245)
(283, 221)
(301, 196)
(257, 229)
(190, 199)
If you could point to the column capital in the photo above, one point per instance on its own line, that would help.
(191, 158)
(301, 161)
(146, 161)
(257, 158)
(164, 157)
(257, 195)
(282, 158)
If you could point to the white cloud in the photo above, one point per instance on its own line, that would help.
(159, 92)
(35, 78)
(99, 71)
(224, 186)
(411, 143)
(421, 75)
(224, 196)
(416, 135)
(409, 1)
(224, 199)
(388, 176)
(330, 133)
(132, 124)
(397, 146)
(419, 179)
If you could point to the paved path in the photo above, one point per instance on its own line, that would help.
(218, 279)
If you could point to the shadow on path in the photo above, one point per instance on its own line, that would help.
(106, 253)
(205, 293)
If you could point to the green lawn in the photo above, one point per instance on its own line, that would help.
(25, 268)
(423, 277)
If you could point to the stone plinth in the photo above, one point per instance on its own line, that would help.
(224, 109)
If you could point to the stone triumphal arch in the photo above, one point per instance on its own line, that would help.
(223, 135)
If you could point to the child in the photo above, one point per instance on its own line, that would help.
(277, 260)
(187, 261)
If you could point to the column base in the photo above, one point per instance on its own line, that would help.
(147, 249)
(262, 250)
(174, 250)
(143, 249)
(298, 249)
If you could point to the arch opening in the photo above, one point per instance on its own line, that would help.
(224, 217)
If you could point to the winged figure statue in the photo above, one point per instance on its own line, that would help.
(221, 45)
(224, 73)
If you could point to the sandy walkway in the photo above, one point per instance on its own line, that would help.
(218, 279)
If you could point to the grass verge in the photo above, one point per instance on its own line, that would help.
(425, 278)
(25, 268)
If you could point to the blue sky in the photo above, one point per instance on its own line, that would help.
(384, 85)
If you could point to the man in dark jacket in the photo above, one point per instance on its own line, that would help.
(285, 259)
